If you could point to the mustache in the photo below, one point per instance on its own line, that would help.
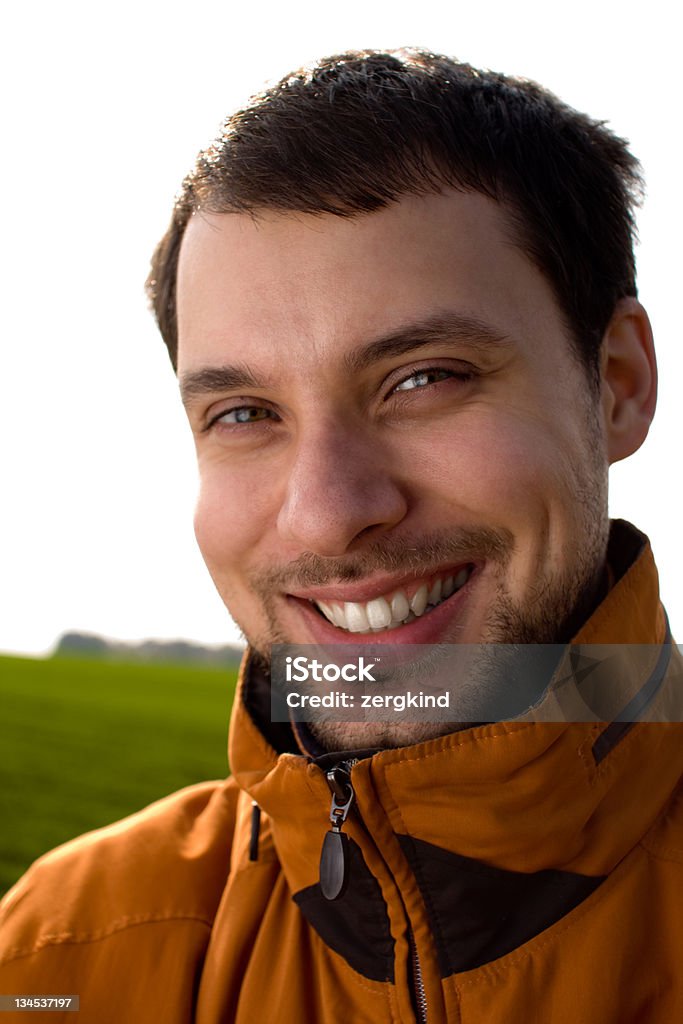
(407, 554)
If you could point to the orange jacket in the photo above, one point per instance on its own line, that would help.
(520, 873)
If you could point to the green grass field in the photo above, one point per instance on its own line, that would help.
(86, 742)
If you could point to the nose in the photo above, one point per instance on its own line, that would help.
(340, 486)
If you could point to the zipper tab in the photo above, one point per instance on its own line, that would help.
(334, 856)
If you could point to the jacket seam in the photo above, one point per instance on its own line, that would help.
(432, 916)
(365, 983)
(78, 938)
(495, 969)
(399, 763)
(394, 1006)
(425, 895)
(590, 769)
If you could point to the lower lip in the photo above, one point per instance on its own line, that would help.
(429, 628)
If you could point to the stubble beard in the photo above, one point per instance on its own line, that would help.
(551, 613)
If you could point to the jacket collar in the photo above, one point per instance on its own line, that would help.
(524, 796)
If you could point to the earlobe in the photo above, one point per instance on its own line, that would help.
(629, 379)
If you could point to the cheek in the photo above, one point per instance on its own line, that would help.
(230, 518)
(507, 470)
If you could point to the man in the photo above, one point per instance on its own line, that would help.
(400, 297)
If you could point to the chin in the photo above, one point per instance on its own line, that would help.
(379, 735)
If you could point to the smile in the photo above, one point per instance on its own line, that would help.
(394, 609)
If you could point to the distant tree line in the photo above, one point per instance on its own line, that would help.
(176, 651)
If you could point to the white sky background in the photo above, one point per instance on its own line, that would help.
(104, 111)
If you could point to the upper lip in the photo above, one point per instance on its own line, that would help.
(378, 584)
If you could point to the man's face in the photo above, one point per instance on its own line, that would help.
(395, 440)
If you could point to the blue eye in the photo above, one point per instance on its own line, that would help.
(244, 414)
(422, 378)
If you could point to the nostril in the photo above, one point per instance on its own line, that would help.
(369, 529)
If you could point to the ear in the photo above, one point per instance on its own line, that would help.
(628, 371)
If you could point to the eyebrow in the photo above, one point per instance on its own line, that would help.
(438, 327)
(212, 379)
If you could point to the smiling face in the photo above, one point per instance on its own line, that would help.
(396, 442)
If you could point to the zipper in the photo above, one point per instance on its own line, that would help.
(335, 865)
(418, 989)
(334, 856)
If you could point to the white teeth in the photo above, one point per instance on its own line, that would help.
(326, 609)
(356, 619)
(418, 601)
(399, 606)
(338, 617)
(460, 579)
(378, 613)
(384, 613)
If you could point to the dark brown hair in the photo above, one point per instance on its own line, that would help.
(362, 129)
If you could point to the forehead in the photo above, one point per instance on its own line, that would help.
(311, 286)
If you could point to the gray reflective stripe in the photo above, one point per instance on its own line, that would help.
(636, 707)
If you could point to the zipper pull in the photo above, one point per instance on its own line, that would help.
(334, 856)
